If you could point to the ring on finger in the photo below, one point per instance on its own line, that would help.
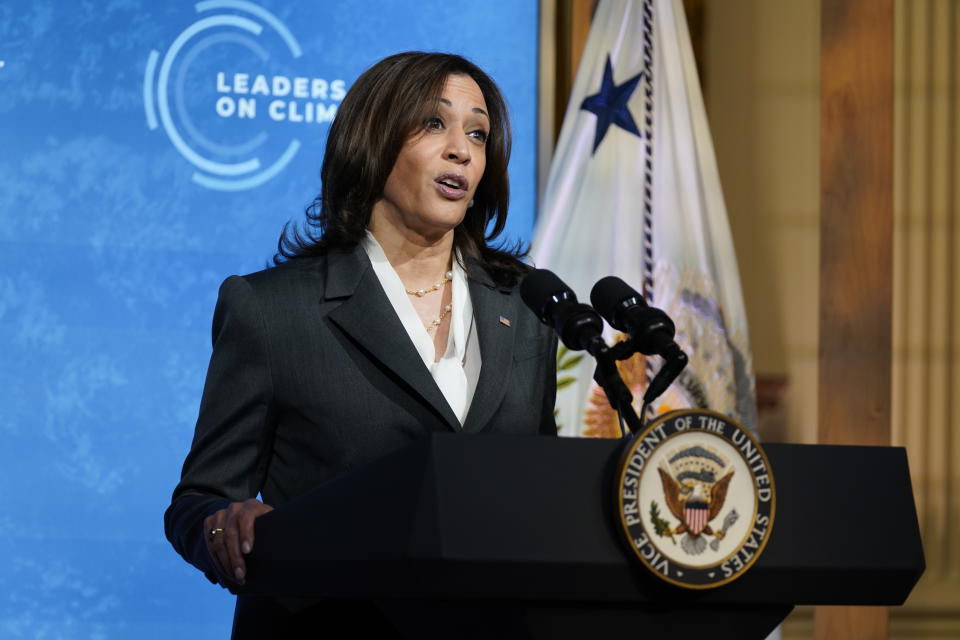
(214, 532)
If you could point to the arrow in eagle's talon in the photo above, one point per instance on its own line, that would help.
(728, 521)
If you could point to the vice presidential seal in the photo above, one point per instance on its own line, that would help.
(695, 498)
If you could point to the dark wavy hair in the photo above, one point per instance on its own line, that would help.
(390, 102)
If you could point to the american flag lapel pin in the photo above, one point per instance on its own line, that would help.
(505, 321)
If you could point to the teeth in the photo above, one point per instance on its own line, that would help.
(449, 183)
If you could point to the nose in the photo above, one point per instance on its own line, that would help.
(457, 148)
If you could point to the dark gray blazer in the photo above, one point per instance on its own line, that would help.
(312, 375)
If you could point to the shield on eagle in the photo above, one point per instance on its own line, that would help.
(696, 514)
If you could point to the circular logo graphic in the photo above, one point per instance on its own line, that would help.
(228, 96)
(695, 498)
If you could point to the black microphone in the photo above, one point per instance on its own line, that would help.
(625, 309)
(650, 329)
(578, 325)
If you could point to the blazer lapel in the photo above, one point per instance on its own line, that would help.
(490, 304)
(367, 316)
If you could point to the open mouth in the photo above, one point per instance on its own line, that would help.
(452, 185)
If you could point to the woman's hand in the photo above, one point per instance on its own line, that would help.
(229, 535)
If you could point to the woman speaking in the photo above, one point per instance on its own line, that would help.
(389, 318)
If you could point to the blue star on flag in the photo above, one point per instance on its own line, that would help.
(610, 105)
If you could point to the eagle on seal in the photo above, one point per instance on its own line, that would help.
(694, 500)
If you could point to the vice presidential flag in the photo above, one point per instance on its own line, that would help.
(634, 191)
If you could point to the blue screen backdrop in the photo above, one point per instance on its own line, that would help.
(147, 151)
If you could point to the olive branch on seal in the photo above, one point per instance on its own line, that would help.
(660, 526)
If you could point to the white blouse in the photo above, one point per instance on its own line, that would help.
(457, 371)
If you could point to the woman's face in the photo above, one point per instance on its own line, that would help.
(438, 169)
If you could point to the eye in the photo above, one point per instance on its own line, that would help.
(433, 124)
(479, 135)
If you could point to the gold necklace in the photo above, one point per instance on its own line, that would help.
(436, 286)
(439, 319)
